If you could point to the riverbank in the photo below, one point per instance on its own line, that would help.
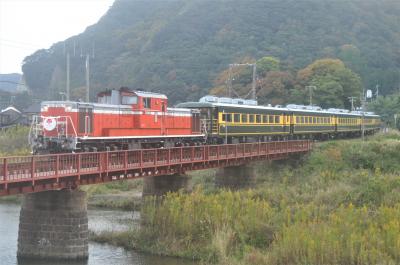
(99, 254)
(121, 195)
(338, 205)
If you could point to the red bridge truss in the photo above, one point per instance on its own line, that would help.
(25, 174)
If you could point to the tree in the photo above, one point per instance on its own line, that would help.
(267, 64)
(386, 107)
(274, 88)
(334, 81)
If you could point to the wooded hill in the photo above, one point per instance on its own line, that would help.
(179, 47)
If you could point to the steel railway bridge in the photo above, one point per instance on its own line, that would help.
(26, 174)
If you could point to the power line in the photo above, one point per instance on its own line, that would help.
(12, 82)
(20, 43)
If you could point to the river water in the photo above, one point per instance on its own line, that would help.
(99, 254)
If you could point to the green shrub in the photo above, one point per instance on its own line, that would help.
(14, 141)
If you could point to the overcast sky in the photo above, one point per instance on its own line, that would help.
(29, 25)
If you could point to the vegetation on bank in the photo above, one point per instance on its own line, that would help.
(124, 194)
(14, 141)
(338, 205)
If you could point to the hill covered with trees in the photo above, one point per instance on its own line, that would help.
(9, 82)
(181, 47)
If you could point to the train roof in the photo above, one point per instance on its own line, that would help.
(136, 92)
(149, 94)
(288, 108)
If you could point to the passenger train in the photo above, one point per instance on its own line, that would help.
(125, 119)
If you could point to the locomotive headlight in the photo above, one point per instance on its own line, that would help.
(68, 108)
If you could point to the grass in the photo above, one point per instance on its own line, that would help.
(338, 205)
(124, 194)
(14, 141)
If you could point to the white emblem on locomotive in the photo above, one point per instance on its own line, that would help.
(49, 123)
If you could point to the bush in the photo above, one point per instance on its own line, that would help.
(193, 222)
(14, 141)
(348, 235)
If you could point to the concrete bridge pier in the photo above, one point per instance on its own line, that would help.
(235, 177)
(160, 185)
(53, 225)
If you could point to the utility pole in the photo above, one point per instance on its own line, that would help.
(254, 83)
(68, 87)
(363, 116)
(230, 81)
(253, 87)
(87, 77)
(310, 89)
(352, 102)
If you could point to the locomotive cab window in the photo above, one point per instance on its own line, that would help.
(146, 103)
(129, 100)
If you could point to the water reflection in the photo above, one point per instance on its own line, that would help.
(99, 254)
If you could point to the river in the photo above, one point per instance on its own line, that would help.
(99, 254)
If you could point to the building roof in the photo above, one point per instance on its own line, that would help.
(34, 108)
(10, 108)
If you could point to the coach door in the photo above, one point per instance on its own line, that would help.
(85, 120)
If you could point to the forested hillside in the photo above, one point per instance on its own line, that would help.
(180, 47)
(9, 82)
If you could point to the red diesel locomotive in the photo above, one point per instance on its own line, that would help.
(122, 119)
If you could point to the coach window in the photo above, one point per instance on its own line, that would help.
(228, 117)
(236, 117)
(251, 118)
(258, 118)
(265, 119)
(297, 119)
(314, 120)
(146, 103)
(271, 118)
(244, 118)
(277, 119)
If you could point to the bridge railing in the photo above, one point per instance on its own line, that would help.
(16, 169)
